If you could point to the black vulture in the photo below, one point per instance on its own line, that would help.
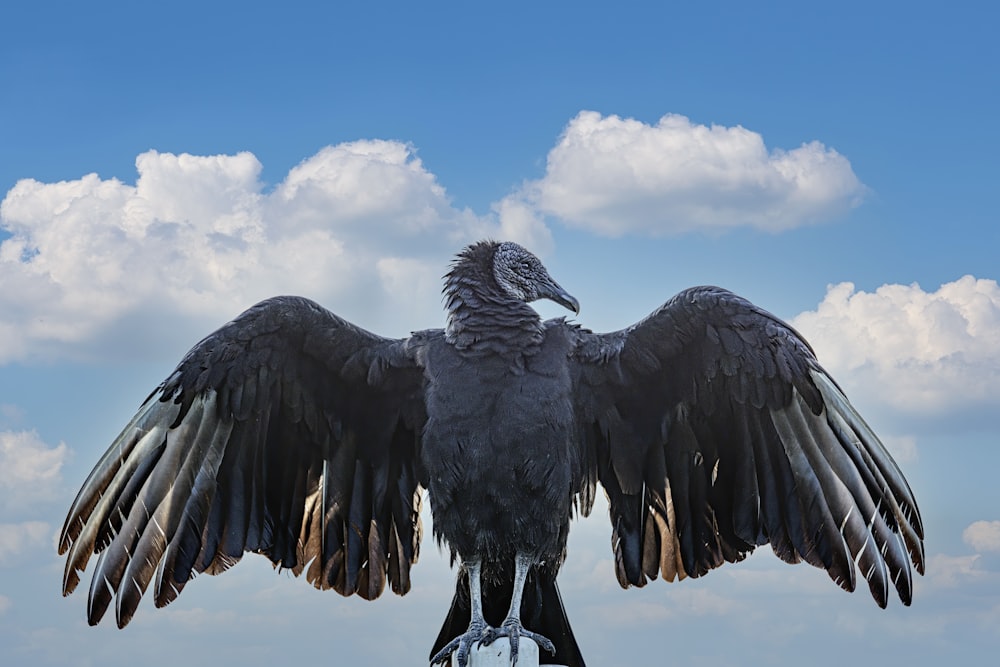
(289, 432)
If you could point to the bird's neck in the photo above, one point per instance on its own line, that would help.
(487, 320)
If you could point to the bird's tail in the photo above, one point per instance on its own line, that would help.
(542, 611)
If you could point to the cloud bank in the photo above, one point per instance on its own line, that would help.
(937, 351)
(198, 238)
(613, 176)
(30, 470)
(18, 538)
(30, 478)
(983, 536)
(94, 265)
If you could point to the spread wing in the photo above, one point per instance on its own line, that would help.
(713, 429)
(288, 432)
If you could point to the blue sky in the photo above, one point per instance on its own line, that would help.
(163, 168)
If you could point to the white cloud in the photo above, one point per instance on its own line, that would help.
(29, 469)
(520, 221)
(16, 538)
(92, 264)
(944, 571)
(937, 350)
(983, 536)
(96, 268)
(617, 175)
(364, 189)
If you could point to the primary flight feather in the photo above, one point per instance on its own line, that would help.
(289, 432)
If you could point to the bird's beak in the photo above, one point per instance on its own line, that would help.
(554, 292)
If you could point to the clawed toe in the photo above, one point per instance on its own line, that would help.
(462, 645)
(542, 641)
(441, 657)
(513, 631)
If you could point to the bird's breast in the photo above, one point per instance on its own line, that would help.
(485, 419)
(500, 459)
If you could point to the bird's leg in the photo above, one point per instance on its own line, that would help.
(511, 626)
(478, 629)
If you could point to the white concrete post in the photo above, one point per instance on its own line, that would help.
(497, 654)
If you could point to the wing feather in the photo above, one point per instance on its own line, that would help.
(288, 432)
(757, 443)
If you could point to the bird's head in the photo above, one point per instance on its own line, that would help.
(489, 279)
(522, 276)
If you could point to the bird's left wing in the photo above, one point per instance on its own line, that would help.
(713, 429)
(288, 432)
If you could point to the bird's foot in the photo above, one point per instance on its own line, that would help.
(462, 645)
(512, 629)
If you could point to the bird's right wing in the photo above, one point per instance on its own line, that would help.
(288, 432)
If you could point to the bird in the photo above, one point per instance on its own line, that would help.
(710, 426)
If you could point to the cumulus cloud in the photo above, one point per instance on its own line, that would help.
(16, 538)
(30, 476)
(945, 571)
(94, 267)
(983, 536)
(616, 175)
(937, 351)
(30, 470)
(519, 220)
(199, 238)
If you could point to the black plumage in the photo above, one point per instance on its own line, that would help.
(292, 433)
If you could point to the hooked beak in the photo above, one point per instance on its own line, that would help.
(553, 292)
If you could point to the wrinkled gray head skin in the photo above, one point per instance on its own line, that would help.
(522, 276)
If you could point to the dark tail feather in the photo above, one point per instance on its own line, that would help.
(542, 611)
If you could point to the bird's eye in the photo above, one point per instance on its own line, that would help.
(526, 265)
